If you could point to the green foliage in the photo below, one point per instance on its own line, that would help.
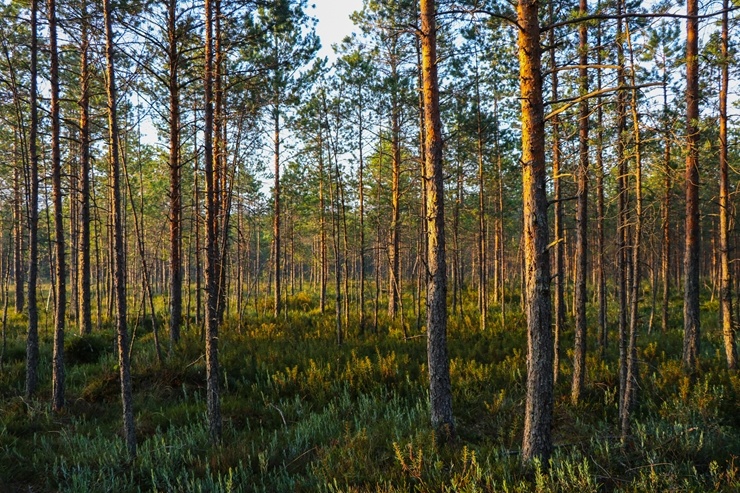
(301, 414)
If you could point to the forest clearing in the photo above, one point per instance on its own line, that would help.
(479, 246)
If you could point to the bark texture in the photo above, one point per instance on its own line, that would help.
(537, 441)
(32, 341)
(691, 261)
(440, 392)
(213, 402)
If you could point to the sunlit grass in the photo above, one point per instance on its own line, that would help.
(302, 414)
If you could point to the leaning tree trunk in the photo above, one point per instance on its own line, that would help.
(118, 242)
(440, 393)
(537, 441)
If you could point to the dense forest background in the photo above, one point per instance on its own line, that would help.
(517, 220)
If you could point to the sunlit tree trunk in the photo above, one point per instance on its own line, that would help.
(537, 440)
(440, 392)
(559, 246)
(728, 329)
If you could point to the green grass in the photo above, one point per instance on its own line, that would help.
(301, 414)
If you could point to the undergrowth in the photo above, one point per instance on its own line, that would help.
(302, 414)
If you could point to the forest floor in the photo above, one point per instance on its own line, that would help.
(302, 414)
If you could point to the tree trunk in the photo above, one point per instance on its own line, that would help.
(581, 259)
(174, 168)
(622, 216)
(559, 276)
(83, 262)
(213, 402)
(537, 441)
(630, 389)
(32, 341)
(728, 330)
(440, 392)
(58, 376)
(118, 241)
(600, 277)
(394, 254)
(18, 269)
(692, 259)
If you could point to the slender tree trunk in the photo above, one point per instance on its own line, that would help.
(175, 173)
(482, 260)
(394, 244)
(118, 241)
(322, 226)
(213, 402)
(665, 254)
(83, 262)
(32, 341)
(692, 259)
(600, 260)
(728, 330)
(630, 389)
(361, 193)
(581, 259)
(18, 270)
(622, 219)
(58, 376)
(440, 392)
(537, 441)
(559, 247)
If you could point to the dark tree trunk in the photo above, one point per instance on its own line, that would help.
(692, 260)
(32, 341)
(175, 173)
(213, 402)
(83, 262)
